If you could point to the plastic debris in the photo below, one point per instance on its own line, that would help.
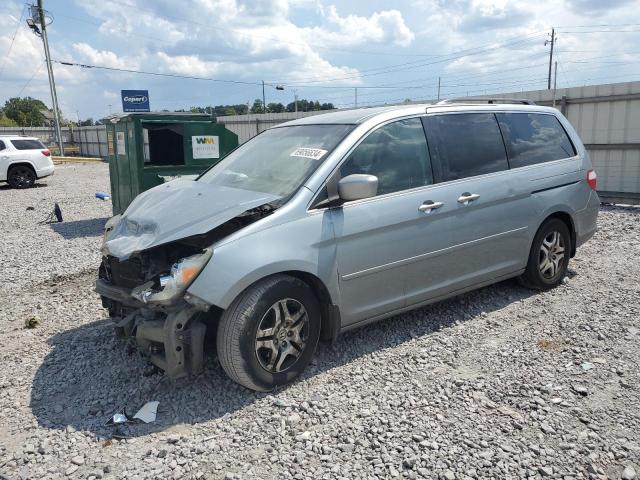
(586, 366)
(103, 196)
(53, 217)
(148, 412)
(119, 418)
(32, 322)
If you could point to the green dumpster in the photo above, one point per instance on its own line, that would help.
(148, 149)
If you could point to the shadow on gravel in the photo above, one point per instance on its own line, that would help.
(6, 186)
(90, 374)
(93, 227)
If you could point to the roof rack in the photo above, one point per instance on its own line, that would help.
(489, 100)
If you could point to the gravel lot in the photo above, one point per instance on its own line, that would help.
(499, 383)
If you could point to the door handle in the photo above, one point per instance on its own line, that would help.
(5, 158)
(467, 197)
(429, 205)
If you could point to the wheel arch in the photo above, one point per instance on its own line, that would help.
(567, 219)
(22, 163)
(329, 310)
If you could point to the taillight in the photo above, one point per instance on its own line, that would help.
(46, 153)
(592, 179)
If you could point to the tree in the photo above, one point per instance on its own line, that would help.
(257, 106)
(275, 108)
(86, 123)
(25, 111)
(7, 122)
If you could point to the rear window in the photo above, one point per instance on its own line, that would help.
(465, 144)
(533, 138)
(26, 144)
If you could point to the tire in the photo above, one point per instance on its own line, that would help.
(21, 176)
(276, 317)
(546, 270)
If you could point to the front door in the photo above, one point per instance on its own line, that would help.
(377, 238)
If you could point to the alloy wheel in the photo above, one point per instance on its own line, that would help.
(282, 335)
(551, 255)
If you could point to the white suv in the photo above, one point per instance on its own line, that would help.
(23, 160)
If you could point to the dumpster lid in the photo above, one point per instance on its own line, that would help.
(116, 117)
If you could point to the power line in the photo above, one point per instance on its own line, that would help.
(191, 77)
(271, 38)
(4, 59)
(600, 31)
(419, 64)
(31, 78)
(157, 74)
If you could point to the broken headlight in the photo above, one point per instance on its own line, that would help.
(173, 284)
(109, 226)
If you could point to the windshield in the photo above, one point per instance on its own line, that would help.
(279, 160)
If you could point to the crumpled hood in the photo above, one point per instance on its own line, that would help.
(177, 209)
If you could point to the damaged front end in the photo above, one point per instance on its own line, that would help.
(146, 294)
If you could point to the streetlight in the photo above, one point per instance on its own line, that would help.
(264, 100)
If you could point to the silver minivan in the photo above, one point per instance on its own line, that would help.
(329, 222)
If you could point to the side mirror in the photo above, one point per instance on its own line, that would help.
(357, 186)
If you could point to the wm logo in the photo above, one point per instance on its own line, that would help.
(205, 141)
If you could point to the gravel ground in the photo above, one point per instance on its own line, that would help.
(499, 383)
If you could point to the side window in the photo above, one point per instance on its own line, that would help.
(396, 153)
(465, 144)
(534, 138)
(2, 146)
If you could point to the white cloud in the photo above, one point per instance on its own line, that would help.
(385, 27)
(103, 58)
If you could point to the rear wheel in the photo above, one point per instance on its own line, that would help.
(549, 256)
(21, 176)
(269, 334)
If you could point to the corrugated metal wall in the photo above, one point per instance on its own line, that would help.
(607, 118)
(92, 141)
(248, 126)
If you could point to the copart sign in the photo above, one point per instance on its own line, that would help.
(135, 100)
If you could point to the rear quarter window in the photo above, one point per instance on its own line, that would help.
(25, 144)
(533, 138)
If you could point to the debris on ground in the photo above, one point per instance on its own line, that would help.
(32, 322)
(148, 412)
(439, 392)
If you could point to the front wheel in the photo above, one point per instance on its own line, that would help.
(549, 256)
(269, 334)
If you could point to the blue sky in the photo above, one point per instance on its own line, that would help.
(320, 49)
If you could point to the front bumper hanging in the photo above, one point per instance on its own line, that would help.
(173, 339)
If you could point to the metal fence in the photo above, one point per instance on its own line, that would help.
(92, 141)
(607, 117)
(45, 134)
(248, 126)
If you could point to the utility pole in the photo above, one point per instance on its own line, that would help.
(555, 80)
(438, 88)
(356, 96)
(38, 18)
(552, 42)
(295, 100)
(264, 101)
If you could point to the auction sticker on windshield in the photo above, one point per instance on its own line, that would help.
(313, 153)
